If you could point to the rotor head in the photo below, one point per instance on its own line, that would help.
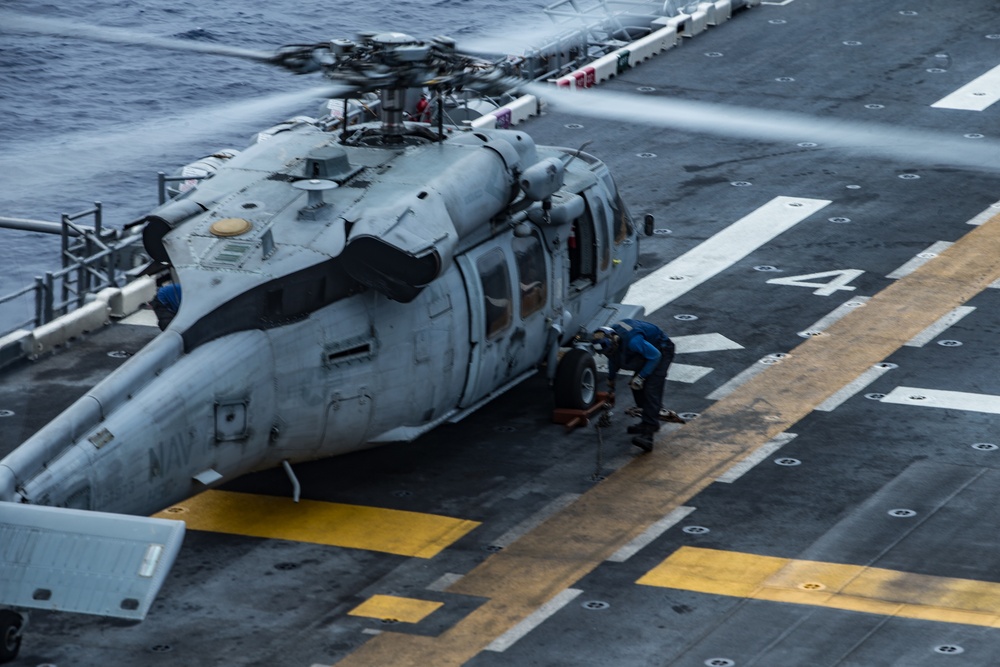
(395, 60)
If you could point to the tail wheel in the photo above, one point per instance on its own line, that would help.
(576, 380)
(10, 634)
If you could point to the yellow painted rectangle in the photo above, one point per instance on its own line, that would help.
(850, 587)
(407, 610)
(708, 571)
(353, 526)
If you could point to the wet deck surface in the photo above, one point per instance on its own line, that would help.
(865, 533)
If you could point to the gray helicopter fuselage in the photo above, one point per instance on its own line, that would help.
(335, 298)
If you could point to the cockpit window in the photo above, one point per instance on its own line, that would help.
(530, 262)
(281, 301)
(496, 292)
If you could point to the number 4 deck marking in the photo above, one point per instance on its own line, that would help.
(840, 281)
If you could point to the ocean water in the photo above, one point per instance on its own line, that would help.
(85, 120)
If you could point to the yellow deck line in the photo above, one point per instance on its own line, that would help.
(334, 524)
(858, 588)
(570, 544)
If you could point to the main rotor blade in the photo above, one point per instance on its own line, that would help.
(513, 40)
(928, 147)
(12, 22)
(135, 151)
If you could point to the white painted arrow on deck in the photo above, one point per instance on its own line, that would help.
(937, 398)
(710, 342)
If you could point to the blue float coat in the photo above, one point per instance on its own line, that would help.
(170, 296)
(640, 347)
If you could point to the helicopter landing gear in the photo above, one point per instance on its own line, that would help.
(576, 380)
(11, 624)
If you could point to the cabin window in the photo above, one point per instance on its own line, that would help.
(530, 274)
(582, 248)
(600, 216)
(496, 292)
(620, 219)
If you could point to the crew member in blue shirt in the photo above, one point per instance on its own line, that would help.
(644, 348)
(166, 303)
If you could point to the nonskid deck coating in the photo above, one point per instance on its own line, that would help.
(248, 600)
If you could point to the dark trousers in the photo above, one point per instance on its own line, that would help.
(650, 397)
(164, 313)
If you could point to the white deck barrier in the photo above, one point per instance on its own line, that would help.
(567, 81)
(14, 346)
(130, 298)
(89, 317)
(667, 32)
(655, 42)
(697, 22)
(605, 67)
(608, 66)
(723, 12)
(489, 122)
(509, 115)
(108, 303)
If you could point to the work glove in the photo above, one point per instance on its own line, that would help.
(636, 383)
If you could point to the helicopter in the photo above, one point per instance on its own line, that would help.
(270, 244)
(340, 289)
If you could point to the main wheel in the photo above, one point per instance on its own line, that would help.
(10, 634)
(576, 380)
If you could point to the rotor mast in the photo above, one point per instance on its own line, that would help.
(391, 64)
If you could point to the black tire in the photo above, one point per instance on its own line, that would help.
(10, 634)
(576, 380)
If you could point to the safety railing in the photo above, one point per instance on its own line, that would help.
(93, 258)
(162, 180)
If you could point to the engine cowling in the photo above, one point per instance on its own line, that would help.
(399, 247)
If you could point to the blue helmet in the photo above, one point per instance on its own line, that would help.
(604, 340)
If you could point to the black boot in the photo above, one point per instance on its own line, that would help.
(644, 442)
(671, 416)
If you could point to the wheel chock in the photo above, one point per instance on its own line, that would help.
(575, 418)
